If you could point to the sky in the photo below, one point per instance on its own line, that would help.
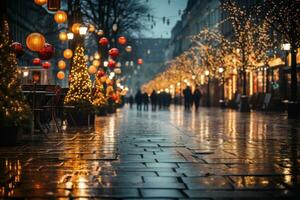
(164, 8)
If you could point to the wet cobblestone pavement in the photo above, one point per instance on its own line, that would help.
(212, 154)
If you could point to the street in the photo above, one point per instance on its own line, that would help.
(175, 154)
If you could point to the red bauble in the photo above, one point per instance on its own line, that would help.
(18, 49)
(46, 65)
(122, 40)
(114, 97)
(111, 63)
(46, 52)
(101, 73)
(103, 41)
(140, 61)
(36, 61)
(114, 52)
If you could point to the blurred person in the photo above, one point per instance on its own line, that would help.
(139, 100)
(153, 98)
(197, 97)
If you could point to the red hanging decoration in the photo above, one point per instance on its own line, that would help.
(114, 52)
(36, 61)
(101, 73)
(46, 65)
(140, 61)
(111, 63)
(122, 40)
(18, 49)
(103, 41)
(46, 52)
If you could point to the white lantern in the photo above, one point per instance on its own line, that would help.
(70, 36)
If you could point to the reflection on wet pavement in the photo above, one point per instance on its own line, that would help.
(165, 154)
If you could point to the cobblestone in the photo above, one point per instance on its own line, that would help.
(212, 154)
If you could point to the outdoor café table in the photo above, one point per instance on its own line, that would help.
(36, 96)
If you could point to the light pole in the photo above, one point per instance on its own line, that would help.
(206, 73)
(286, 47)
(222, 100)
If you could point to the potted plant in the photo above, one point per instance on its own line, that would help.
(78, 100)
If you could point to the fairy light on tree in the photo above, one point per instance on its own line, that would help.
(250, 42)
(79, 82)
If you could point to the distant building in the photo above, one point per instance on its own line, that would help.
(152, 51)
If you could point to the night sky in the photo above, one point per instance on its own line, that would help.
(161, 8)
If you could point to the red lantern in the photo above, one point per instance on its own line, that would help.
(46, 52)
(122, 40)
(18, 49)
(114, 52)
(103, 41)
(101, 73)
(46, 65)
(140, 61)
(111, 63)
(36, 61)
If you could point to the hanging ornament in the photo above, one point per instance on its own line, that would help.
(122, 40)
(92, 69)
(60, 16)
(117, 71)
(40, 2)
(103, 41)
(53, 5)
(111, 63)
(97, 56)
(128, 49)
(36, 61)
(140, 61)
(103, 79)
(96, 63)
(118, 64)
(35, 41)
(63, 36)
(60, 75)
(100, 32)
(101, 73)
(91, 28)
(36, 78)
(46, 65)
(18, 49)
(114, 52)
(61, 65)
(46, 52)
(68, 53)
(75, 28)
(115, 27)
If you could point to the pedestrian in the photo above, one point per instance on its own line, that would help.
(197, 97)
(131, 100)
(187, 93)
(145, 101)
(139, 100)
(153, 98)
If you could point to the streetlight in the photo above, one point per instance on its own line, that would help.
(70, 36)
(206, 73)
(83, 30)
(222, 100)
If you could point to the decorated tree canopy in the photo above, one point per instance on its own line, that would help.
(80, 84)
(13, 109)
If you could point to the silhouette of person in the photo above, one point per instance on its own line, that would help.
(197, 97)
(139, 100)
(153, 98)
(131, 100)
(187, 93)
(145, 101)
